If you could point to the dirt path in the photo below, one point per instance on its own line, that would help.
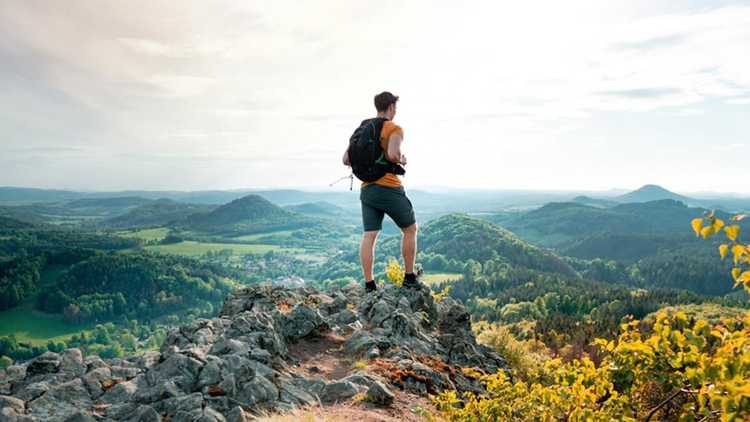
(324, 357)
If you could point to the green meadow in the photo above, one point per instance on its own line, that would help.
(432, 279)
(148, 234)
(193, 248)
(32, 326)
(254, 237)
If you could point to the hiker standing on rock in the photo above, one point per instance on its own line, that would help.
(374, 154)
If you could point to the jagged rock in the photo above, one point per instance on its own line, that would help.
(303, 321)
(314, 386)
(341, 390)
(260, 355)
(217, 369)
(71, 365)
(12, 403)
(61, 400)
(144, 414)
(93, 362)
(8, 415)
(236, 415)
(44, 364)
(94, 380)
(121, 410)
(80, 416)
(178, 368)
(380, 394)
(258, 389)
(119, 393)
(289, 393)
(361, 378)
(27, 391)
(210, 415)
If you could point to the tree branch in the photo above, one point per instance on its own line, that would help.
(664, 403)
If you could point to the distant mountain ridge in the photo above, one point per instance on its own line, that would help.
(649, 193)
(452, 200)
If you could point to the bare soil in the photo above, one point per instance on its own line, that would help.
(324, 357)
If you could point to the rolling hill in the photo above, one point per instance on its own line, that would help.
(155, 214)
(320, 208)
(560, 223)
(247, 215)
(460, 239)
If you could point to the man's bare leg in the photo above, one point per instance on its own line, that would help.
(409, 247)
(367, 253)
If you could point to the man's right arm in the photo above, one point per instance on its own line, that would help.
(394, 149)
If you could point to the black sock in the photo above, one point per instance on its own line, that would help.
(410, 277)
(370, 284)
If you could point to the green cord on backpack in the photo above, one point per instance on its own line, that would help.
(366, 155)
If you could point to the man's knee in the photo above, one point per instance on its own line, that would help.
(410, 230)
(370, 236)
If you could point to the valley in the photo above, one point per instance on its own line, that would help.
(557, 272)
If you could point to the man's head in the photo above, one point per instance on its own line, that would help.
(385, 103)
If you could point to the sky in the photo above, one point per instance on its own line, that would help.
(200, 95)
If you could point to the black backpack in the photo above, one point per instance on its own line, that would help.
(366, 155)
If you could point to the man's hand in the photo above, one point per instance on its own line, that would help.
(403, 160)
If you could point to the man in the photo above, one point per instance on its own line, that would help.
(387, 196)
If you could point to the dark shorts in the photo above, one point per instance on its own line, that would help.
(380, 200)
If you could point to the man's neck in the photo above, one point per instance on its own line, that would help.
(382, 114)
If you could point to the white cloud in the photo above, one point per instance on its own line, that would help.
(177, 86)
(685, 112)
(738, 101)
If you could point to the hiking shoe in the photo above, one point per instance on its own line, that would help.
(415, 284)
(370, 287)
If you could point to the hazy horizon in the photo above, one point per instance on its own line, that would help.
(615, 191)
(231, 95)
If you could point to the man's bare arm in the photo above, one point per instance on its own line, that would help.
(345, 159)
(394, 149)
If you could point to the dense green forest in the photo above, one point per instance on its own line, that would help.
(20, 276)
(137, 286)
(22, 241)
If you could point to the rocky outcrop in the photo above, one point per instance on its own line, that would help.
(227, 368)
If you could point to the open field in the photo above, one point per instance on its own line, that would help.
(31, 326)
(432, 279)
(253, 237)
(148, 234)
(192, 248)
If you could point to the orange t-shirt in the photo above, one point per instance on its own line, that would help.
(390, 180)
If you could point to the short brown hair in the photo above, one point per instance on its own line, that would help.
(384, 100)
